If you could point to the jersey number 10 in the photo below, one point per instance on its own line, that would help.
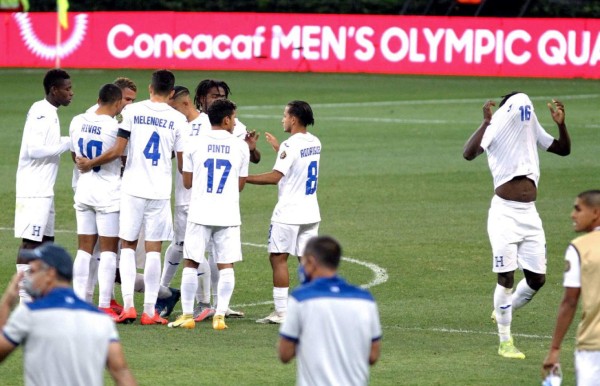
(92, 150)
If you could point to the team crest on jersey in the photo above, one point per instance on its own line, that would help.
(48, 51)
(283, 155)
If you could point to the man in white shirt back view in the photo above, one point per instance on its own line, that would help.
(511, 138)
(39, 158)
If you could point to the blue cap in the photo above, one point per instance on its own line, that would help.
(53, 255)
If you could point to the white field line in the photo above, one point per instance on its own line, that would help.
(461, 331)
(421, 102)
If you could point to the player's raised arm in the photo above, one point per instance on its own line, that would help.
(272, 141)
(473, 148)
(562, 145)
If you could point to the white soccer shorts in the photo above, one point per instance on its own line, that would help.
(286, 238)
(587, 367)
(91, 221)
(227, 243)
(517, 237)
(155, 215)
(34, 218)
(180, 223)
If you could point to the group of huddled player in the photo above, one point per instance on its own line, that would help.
(122, 180)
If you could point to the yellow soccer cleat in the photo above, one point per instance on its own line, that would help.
(219, 322)
(507, 349)
(184, 321)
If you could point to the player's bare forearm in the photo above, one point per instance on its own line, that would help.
(566, 312)
(255, 156)
(562, 145)
(270, 178)
(473, 148)
(286, 350)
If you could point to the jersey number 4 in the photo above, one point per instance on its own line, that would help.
(92, 150)
(151, 151)
(311, 181)
(220, 164)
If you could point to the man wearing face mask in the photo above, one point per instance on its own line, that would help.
(331, 326)
(66, 341)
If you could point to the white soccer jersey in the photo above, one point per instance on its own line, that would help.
(192, 130)
(155, 132)
(217, 160)
(334, 325)
(298, 160)
(512, 139)
(91, 134)
(41, 147)
(65, 340)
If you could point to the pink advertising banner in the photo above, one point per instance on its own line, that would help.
(555, 48)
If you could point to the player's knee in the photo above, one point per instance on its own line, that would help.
(506, 279)
(536, 281)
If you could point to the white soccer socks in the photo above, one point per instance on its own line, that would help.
(128, 273)
(23, 295)
(81, 273)
(204, 283)
(280, 297)
(522, 295)
(503, 308)
(225, 290)
(173, 257)
(151, 281)
(106, 278)
(189, 284)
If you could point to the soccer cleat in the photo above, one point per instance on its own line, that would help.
(110, 312)
(233, 313)
(219, 322)
(273, 318)
(507, 349)
(117, 308)
(202, 311)
(165, 306)
(127, 316)
(148, 320)
(184, 321)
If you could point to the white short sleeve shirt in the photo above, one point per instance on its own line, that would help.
(512, 140)
(217, 159)
(155, 132)
(91, 134)
(192, 130)
(298, 160)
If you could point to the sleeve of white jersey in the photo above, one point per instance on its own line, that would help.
(291, 328)
(18, 326)
(243, 172)
(375, 324)
(187, 166)
(285, 158)
(544, 140)
(72, 146)
(180, 128)
(572, 277)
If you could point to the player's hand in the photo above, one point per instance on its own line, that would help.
(11, 293)
(272, 141)
(557, 110)
(550, 361)
(251, 138)
(83, 164)
(487, 110)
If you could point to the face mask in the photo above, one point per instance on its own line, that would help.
(302, 276)
(28, 287)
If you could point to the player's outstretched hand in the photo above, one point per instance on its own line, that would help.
(83, 164)
(272, 141)
(487, 110)
(251, 138)
(558, 113)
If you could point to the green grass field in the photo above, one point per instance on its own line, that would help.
(393, 188)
